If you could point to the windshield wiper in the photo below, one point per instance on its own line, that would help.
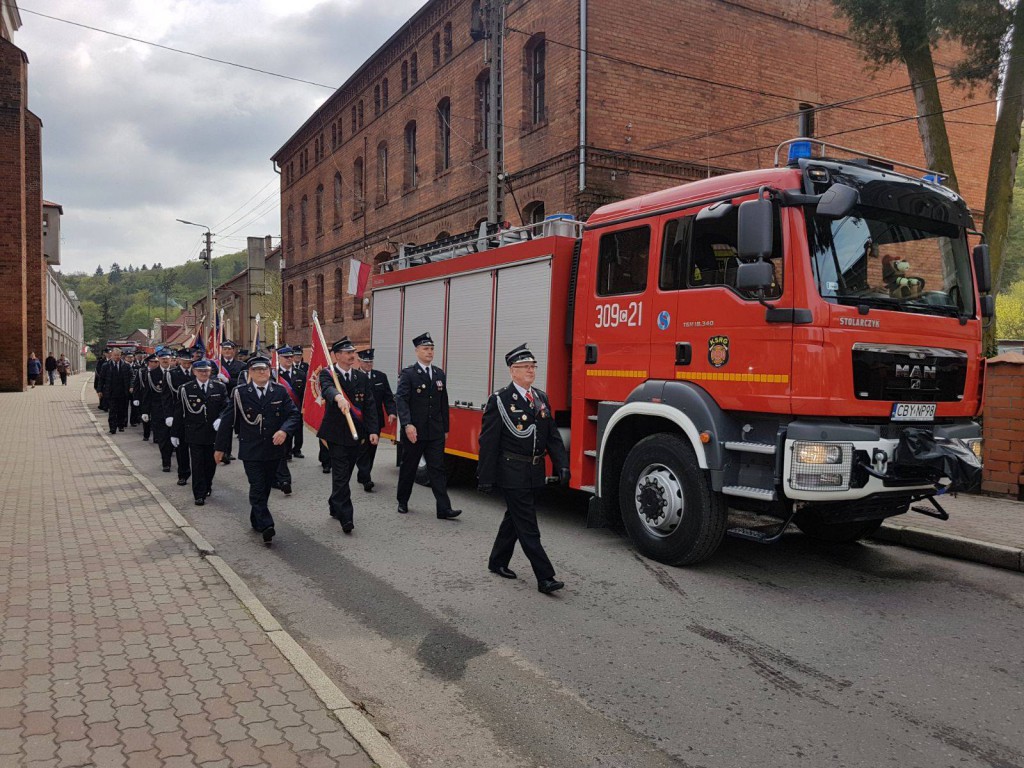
(937, 309)
(870, 301)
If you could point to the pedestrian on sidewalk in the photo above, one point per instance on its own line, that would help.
(63, 369)
(51, 367)
(262, 414)
(117, 386)
(35, 368)
(518, 429)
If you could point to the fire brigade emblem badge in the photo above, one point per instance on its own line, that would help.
(718, 351)
(314, 384)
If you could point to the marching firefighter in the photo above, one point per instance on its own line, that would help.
(117, 385)
(158, 406)
(518, 430)
(197, 410)
(385, 400)
(180, 376)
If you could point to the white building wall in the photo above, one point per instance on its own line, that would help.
(65, 325)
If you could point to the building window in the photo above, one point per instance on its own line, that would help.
(358, 188)
(477, 28)
(290, 227)
(334, 135)
(384, 93)
(337, 199)
(322, 150)
(376, 101)
(304, 308)
(444, 135)
(359, 112)
(414, 69)
(435, 48)
(339, 295)
(354, 129)
(483, 108)
(319, 295)
(357, 308)
(303, 213)
(410, 177)
(405, 76)
(319, 209)
(533, 213)
(290, 311)
(447, 41)
(382, 173)
(535, 57)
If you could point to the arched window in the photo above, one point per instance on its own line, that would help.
(303, 214)
(533, 213)
(483, 108)
(376, 101)
(477, 28)
(290, 309)
(359, 112)
(414, 69)
(337, 199)
(442, 235)
(354, 129)
(358, 187)
(334, 135)
(447, 41)
(290, 227)
(534, 56)
(320, 296)
(320, 209)
(304, 306)
(382, 173)
(435, 48)
(444, 135)
(410, 176)
(405, 76)
(384, 93)
(339, 294)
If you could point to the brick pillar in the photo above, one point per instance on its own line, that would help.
(35, 264)
(1004, 426)
(13, 340)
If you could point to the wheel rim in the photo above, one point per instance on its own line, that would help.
(658, 498)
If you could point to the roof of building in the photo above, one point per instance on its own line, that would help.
(58, 206)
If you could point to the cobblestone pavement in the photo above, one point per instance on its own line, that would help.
(119, 644)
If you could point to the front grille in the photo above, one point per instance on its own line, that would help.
(908, 374)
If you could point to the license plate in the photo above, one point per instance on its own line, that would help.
(913, 412)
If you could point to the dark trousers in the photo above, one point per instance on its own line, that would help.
(261, 480)
(433, 452)
(147, 428)
(367, 453)
(520, 524)
(51, 375)
(343, 461)
(284, 475)
(162, 437)
(297, 439)
(64, 378)
(324, 455)
(117, 416)
(181, 453)
(134, 415)
(203, 469)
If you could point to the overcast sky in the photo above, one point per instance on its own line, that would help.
(135, 137)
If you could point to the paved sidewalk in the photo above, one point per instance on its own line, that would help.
(120, 645)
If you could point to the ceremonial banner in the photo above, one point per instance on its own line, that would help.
(313, 405)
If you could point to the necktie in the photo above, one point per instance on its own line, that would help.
(429, 373)
(529, 398)
(261, 391)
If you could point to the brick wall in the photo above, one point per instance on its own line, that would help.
(35, 262)
(1004, 426)
(13, 92)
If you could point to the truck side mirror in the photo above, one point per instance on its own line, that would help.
(982, 269)
(988, 306)
(837, 201)
(754, 229)
(754, 276)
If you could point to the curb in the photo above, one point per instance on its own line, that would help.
(377, 747)
(997, 555)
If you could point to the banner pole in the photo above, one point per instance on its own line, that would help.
(334, 375)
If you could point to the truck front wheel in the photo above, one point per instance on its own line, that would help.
(667, 505)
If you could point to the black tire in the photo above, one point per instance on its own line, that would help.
(834, 533)
(661, 476)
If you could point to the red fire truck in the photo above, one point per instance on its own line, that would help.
(801, 342)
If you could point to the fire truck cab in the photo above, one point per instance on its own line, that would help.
(801, 342)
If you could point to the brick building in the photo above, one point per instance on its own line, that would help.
(397, 155)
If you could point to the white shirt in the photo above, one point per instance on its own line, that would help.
(427, 370)
(522, 392)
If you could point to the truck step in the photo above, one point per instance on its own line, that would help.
(592, 454)
(766, 448)
(747, 492)
(760, 535)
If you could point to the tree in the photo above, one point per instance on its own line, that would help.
(98, 272)
(115, 274)
(1010, 312)
(167, 280)
(107, 325)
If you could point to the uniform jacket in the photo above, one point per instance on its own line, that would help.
(382, 395)
(296, 379)
(359, 391)
(117, 381)
(423, 402)
(230, 368)
(179, 377)
(255, 420)
(97, 382)
(156, 395)
(195, 411)
(514, 438)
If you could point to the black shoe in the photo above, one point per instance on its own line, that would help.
(286, 489)
(113, 431)
(327, 470)
(200, 501)
(547, 586)
(166, 469)
(145, 439)
(347, 527)
(120, 429)
(504, 571)
(182, 481)
(209, 493)
(450, 514)
(403, 509)
(226, 461)
(368, 486)
(298, 455)
(268, 534)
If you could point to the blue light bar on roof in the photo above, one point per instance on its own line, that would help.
(933, 178)
(799, 149)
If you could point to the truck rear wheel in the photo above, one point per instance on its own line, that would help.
(667, 505)
(834, 533)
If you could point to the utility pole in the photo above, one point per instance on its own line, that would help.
(495, 135)
(207, 257)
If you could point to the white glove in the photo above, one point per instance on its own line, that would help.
(145, 417)
(216, 424)
(135, 403)
(169, 420)
(175, 442)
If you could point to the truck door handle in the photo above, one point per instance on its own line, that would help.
(590, 356)
(684, 353)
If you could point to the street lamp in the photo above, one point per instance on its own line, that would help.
(209, 268)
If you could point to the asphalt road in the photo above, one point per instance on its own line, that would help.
(797, 654)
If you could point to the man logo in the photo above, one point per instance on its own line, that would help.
(915, 372)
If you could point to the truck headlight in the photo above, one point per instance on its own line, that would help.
(821, 466)
(974, 444)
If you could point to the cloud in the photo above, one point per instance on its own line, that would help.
(135, 136)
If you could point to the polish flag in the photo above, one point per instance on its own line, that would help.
(358, 275)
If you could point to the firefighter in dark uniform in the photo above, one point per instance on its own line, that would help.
(133, 411)
(158, 407)
(300, 361)
(422, 404)
(262, 415)
(197, 409)
(139, 390)
(356, 398)
(283, 481)
(180, 376)
(518, 430)
(290, 372)
(97, 380)
(386, 415)
(117, 385)
(231, 368)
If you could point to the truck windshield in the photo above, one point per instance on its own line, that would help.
(890, 260)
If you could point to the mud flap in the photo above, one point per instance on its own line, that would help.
(950, 458)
